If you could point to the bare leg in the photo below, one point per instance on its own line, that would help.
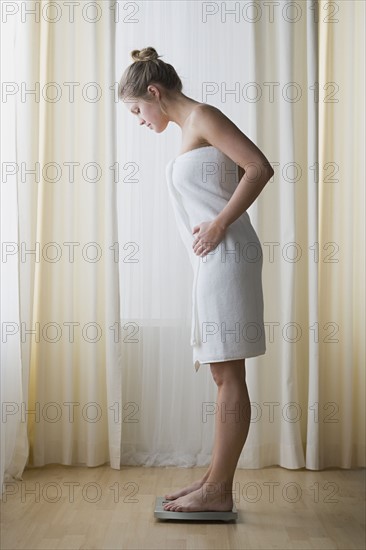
(196, 484)
(232, 426)
(199, 482)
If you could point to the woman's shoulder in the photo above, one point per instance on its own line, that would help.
(206, 110)
(209, 123)
(202, 116)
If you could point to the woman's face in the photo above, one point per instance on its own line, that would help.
(148, 114)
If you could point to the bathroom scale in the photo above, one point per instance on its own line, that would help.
(160, 513)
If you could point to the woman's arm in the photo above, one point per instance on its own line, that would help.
(254, 169)
(248, 189)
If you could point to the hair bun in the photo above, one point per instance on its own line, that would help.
(146, 54)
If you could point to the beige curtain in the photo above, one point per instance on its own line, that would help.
(61, 378)
(96, 360)
(338, 439)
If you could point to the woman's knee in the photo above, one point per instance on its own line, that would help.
(228, 371)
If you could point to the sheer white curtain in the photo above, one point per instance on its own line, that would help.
(260, 66)
(265, 70)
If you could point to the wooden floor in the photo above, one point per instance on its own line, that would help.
(96, 508)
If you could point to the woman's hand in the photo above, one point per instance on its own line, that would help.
(209, 235)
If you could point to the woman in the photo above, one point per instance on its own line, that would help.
(210, 209)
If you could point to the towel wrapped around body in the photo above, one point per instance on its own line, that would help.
(227, 297)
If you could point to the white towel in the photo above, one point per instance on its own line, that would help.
(227, 297)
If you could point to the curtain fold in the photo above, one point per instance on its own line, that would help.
(96, 363)
(342, 278)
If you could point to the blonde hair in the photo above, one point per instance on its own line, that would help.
(147, 69)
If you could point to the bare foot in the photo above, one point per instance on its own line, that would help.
(189, 489)
(208, 498)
